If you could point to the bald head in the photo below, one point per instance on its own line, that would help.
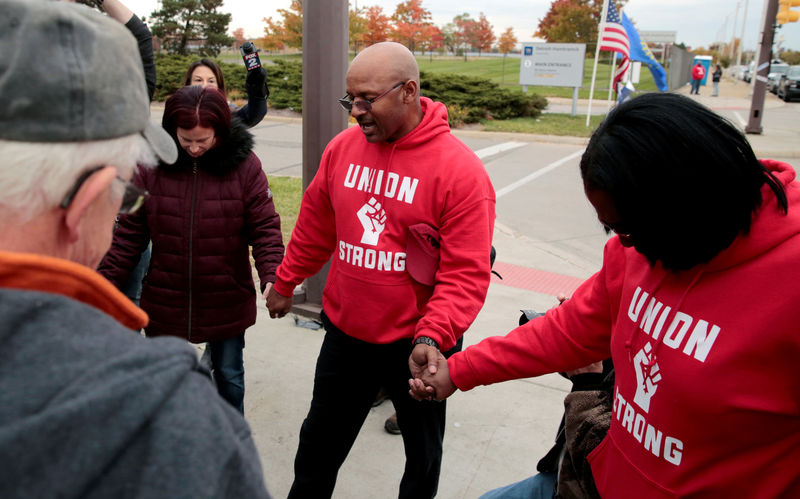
(389, 59)
(383, 82)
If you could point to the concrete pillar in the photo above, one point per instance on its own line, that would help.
(325, 61)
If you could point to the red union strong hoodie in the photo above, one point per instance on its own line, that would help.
(357, 212)
(707, 394)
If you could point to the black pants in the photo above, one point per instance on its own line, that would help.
(348, 376)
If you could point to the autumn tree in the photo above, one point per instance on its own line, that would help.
(573, 21)
(436, 39)
(465, 25)
(433, 40)
(293, 24)
(378, 26)
(507, 41)
(288, 32)
(273, 35)
(791, 57)
(180, 21)
(358, 26)
(506, 44)
(482, 34)
(411, 24)
(238, 37)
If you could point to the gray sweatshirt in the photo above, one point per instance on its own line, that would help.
(89, 408)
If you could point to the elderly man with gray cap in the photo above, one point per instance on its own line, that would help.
(89, 408)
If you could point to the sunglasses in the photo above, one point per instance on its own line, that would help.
(132, 199)
(364, 105)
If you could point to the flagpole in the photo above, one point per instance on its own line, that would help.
(596, 55)
(611, 79)
(613, 72)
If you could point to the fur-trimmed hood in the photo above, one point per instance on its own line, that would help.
(222, 158)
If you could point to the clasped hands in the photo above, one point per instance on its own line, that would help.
(430, 374)
(277, 304)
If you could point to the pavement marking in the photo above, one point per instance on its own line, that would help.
(741, 120)
(536, 280)
(497, 149)
(538, 173)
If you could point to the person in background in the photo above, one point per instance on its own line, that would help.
(203, 214)
(88, 408)
(198, 74)
(715, 77)
(205, 72)
(698, 72)
(406, 211)
(706, 402)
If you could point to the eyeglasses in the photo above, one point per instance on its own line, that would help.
(365, 105)
(610, 228)
(132, 199)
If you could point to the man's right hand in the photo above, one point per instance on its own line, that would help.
(278, 304)
(436, 386)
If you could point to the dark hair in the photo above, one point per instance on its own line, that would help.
(685, 181)
(213, 66)
(197, 106)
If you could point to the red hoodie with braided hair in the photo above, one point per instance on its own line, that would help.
(706, 401)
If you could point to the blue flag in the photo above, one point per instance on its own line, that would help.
(640, 52)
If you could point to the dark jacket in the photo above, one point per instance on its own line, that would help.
(201, 216)
(257, 91)
(144, 38)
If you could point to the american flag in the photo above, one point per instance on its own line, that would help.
(615, 39)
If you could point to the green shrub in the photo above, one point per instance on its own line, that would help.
(481, 98)
(469, 99)
(284, 78)
(286, 85)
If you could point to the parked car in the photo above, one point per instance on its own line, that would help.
(789, 86)
(774, 76)
(748, 72)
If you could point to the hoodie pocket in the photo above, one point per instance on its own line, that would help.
(615, 475)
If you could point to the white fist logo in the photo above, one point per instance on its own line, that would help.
(647, 377)
(373, 218)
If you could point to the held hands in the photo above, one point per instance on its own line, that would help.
(277, 304)
(430, 374)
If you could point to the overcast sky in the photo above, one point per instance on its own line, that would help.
(697, 22)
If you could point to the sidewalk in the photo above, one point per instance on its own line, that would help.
(495, 435)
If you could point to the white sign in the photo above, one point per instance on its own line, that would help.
(552, 64)
(658, 36)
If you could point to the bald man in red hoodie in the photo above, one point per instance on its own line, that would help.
(406, 210)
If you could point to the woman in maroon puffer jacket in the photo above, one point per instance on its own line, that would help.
(202, 214)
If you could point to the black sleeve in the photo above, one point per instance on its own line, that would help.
(254, 111)
(145, 40)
